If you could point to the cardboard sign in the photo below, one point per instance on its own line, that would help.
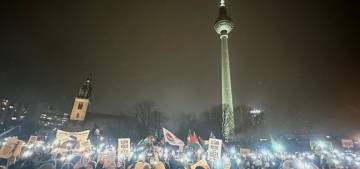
(32, 140)
(201, 163)
(214, 150)
(124, 147)
(12, 148)
(245, 151)
(108, 157)
(347, 143)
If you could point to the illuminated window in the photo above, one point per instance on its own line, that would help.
(80, 106)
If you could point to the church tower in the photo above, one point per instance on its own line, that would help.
(81, 102)
(223, 25)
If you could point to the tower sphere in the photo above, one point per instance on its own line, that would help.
(223, 24)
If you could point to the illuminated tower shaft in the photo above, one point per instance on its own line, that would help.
(226, 92)
(223, 26)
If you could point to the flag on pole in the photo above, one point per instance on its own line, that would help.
(148, 140)
(203, 142)
(212, 135)
(193, 141)
(172, 139)
(192, 138)
(188, 137)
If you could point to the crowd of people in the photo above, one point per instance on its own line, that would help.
(104, 155)
(42, 156)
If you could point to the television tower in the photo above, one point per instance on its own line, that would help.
(223, 25)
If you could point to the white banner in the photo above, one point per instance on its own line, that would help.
(73, 140)
(124, 147)
(214, 150)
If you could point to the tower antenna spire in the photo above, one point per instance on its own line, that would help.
(222, 2)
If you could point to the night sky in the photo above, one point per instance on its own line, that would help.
(299, 59)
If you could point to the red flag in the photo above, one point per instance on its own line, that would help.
(189, 137)
(195, 138)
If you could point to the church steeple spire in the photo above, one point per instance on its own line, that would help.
(85, 89)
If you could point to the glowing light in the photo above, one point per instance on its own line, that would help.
(141, 156)
(218, 164)
(233, 150)
(255, 111)
(348, 158)
(225, 158)
(321, 144)
(311, 156)
(87, 155)
(203, 157)
(278, 147)
(68, 145)
(188, 154)
(70, 157)
(27, 154)
(101, 145)
(222, 2)
(55, 142)
(265, 152)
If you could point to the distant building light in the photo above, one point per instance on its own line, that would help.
(13, 118)
(5, 101)
(255, 111)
